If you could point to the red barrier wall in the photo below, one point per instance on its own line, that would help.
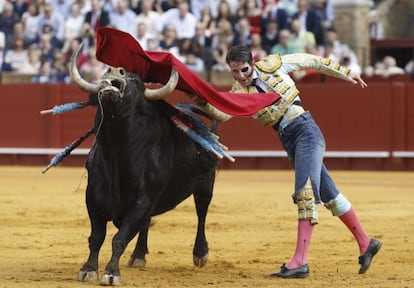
(379, 118)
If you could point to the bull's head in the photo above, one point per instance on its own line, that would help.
(114, 82)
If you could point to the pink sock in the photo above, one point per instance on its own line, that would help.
(305, 231)
(351, 221)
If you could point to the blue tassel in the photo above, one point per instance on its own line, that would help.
(58, 109)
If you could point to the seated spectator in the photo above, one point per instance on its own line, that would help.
(45, 75)
(219, 56)
(196, 64)
(148, 16)
(270, 37)
(7, 20)
(187, 46)
(388, 67)
(30, 20)
(242, 33)
(60, 68)
(143, 35)
(123, 18)
(169, 41)
(15, 58)
(48, 30)
(285, 45)
(52, 19)
(224, 29)
(202, 9)
(204, 40)
(18, 32)
(300, 37)
(291, 7)
(312, 20)
(273, 10)
(256, 47)
(20, 7)
(253, 13)
(189, 54)
(97, 16)
(74, 22)
(224, 13)
(153, 44)
(207, 20)
(46, 47)
(326, 9)
(183, 20)
(32, 65)
(62, 7)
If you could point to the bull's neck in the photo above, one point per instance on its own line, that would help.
(119, 131)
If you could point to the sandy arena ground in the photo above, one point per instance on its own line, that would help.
(251, 229)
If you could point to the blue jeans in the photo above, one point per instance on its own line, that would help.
(305, 145)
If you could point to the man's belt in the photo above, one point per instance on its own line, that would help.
(293, 112)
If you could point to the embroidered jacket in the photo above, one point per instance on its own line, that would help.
(274, 71)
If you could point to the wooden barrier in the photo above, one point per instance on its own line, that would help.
(364, 128)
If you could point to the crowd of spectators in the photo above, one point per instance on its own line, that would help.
(37, 37)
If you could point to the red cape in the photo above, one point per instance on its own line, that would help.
(120, 49)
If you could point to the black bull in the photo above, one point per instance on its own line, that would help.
(140, 165)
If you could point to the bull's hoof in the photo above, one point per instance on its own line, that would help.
(111, 280)
(200, 261)
(136, 262)
(87, 276)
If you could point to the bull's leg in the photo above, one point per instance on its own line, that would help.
(132, 222)
(202, 199)
(137, 258)
(89, 271)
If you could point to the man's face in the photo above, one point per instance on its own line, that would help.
(242, 72)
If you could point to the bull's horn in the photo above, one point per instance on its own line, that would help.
(215, 113)
(75, 75)
(160, 93)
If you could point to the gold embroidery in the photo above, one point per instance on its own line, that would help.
(326, 61)
(270, 63)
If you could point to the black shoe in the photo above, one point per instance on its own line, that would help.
(299, 272)
(366, 259)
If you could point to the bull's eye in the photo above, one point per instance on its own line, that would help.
(116, 84)
(108, 70)
(122, 72)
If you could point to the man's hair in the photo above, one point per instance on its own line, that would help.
(239, 53)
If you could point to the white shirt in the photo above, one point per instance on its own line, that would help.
(73, 27)
(151, 21)
(185, 26)
(124, 22)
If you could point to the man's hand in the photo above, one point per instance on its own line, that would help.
(356, 79)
